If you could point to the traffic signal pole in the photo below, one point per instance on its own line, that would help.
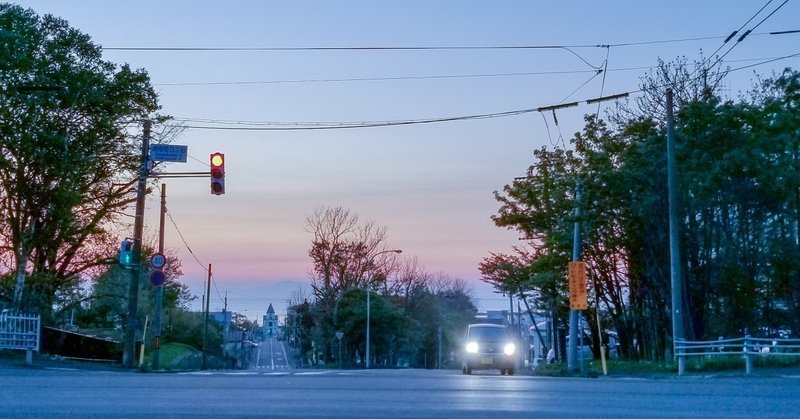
(129, 349)
(159, 289)
(217, 174)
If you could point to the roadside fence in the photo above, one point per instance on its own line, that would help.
(20, 331)
(747, 347)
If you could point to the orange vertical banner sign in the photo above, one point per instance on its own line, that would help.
(578, 299)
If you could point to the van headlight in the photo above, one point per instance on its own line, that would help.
(509, 349)
(472, 347)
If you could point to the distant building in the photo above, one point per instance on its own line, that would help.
(223, 317)
(270, 322)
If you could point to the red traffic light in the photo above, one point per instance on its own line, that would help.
(217, 173)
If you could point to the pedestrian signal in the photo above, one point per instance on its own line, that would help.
(126, 253)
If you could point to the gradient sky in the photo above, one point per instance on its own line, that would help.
(431, 185)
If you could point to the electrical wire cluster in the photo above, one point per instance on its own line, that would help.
(595, 70)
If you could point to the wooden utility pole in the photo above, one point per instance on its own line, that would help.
(674, 233)
(129, 350)
(572, 350)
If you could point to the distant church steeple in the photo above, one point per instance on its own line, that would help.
(270, 322)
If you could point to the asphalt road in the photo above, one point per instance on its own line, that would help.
(270, 355)
(48, 392)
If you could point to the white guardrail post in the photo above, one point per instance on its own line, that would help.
(20, 331)
(748, 360)
(679, 352)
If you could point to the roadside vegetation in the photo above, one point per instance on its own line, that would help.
(69, 153)
(739, 212)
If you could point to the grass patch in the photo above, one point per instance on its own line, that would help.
(169, 353)
(736, 362)
(594, 368)
(718, 363)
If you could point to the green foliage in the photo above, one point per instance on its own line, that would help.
(181, 326)
(67, 156)
(739, 208)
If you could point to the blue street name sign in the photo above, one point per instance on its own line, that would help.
(169, 152)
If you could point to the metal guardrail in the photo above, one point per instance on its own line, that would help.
(20, 331)
(747, 347)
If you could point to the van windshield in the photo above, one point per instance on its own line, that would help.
(488, 333)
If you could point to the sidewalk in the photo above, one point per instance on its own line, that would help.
(16, 359)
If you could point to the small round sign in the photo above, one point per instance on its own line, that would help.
(158, 260)
(157, 278)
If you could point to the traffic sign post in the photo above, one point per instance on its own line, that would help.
(339, 336)
(158, 260)
(157, 278)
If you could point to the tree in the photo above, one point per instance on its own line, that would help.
(346, 254)
(68, 151)
(739, 212)
(343, 251)
(350, 318)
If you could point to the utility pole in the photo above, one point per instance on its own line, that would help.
(572, 351)
(674, 234)
(205, 328)
(160, 288)
(129, 350)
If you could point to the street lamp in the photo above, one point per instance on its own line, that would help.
(369, 283)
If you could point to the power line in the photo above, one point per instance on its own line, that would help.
(444, 48)
(374, 48)
(426, 48)
(351, 125)
(185, 243)
(596, 73)
(427, 77)
(303, 126)
(729, 37)
(744, 35)
(358, 79)
(602, 85)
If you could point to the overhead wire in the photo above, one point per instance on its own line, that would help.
(359, 79)
(427, 48)
(185, 243)
(729, 37)
(603, 83)
(746, 33)
(252, 126)
(363, 48)
(596, 73)
(351, 125)
(429, 77)
(546, 125)
(295, 126)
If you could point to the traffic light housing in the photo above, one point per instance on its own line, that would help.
(126, 253)
(217, 173)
